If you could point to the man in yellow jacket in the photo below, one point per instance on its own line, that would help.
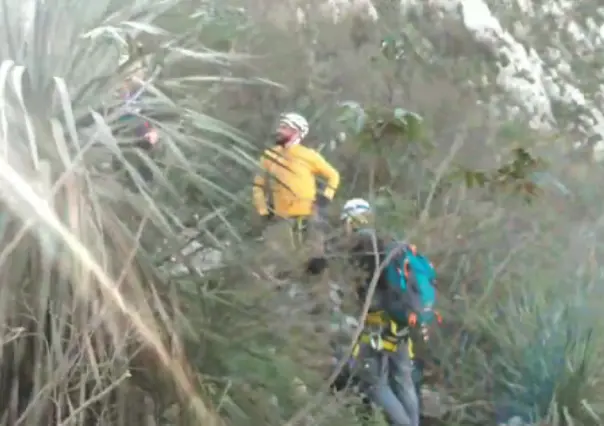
(286, 188)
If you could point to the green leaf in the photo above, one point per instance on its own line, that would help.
(392, 47)
(352, 115)
(411, 121)
(470, 179)
(482, 178)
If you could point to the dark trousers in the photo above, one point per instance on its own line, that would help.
(394, 390)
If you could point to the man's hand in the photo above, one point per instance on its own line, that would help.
(320, 207)
(322, 201)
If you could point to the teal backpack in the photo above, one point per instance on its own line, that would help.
(411, 277)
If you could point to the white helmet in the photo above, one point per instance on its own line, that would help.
(355, 208)
(295, 121)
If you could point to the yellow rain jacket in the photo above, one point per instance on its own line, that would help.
(288, 180)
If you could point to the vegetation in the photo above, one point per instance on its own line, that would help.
(111, 318)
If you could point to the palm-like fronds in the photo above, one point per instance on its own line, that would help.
(530, 345)
(80, 303)
(549, 362)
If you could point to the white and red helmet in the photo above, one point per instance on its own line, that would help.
(293, 128)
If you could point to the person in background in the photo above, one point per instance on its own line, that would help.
(404, 297)
(145, 136)
(130, 92)
(285, 192)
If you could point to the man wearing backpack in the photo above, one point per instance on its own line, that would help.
(404, 297)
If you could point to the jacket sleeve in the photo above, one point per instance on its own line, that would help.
(258, 191)
(323, 168)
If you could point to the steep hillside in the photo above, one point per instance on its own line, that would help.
(157, 292)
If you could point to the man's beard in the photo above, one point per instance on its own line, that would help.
(281, 139)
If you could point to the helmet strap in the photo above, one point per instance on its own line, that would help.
(353, 224)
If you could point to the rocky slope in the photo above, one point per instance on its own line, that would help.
(539, 78)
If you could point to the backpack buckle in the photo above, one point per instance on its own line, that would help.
(397, 331)
(376, 341)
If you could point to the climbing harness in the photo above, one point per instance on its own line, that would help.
(383, 334)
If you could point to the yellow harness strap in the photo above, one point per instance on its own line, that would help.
(388, 343)
(296, 232)
(385, 345)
